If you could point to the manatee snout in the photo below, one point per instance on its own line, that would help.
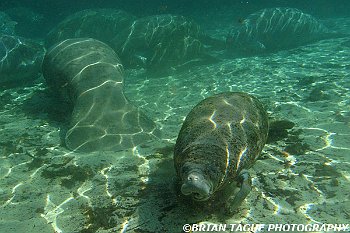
(196, 185)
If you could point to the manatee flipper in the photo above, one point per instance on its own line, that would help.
(246, 186)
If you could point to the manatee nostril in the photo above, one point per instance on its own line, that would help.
(192, 178)
(196, 196)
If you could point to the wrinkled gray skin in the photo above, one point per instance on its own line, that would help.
(221, 136)
(274, 29)
(159, 41)
(100, 24)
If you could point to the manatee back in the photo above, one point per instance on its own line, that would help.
(227, 131)
(70, 62)
(89, 74)
(273, 29)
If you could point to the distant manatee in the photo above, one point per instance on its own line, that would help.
(20, 60)
(100, 24)
(90, 74)
(159, 41)
(274, 29)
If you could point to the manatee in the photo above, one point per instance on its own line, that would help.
(89, 74)
(273, 29)
(101, 24)
(159, 42)
(20, 60)
(220, 138)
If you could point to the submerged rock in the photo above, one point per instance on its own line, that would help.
(318, 94)
(278, 130)
(100, 24)
(20, 59)
(274, 29)
(346, 43)
(159, 41)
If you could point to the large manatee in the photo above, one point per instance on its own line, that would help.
(221, 136)
(274, 29)
(90, 74)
